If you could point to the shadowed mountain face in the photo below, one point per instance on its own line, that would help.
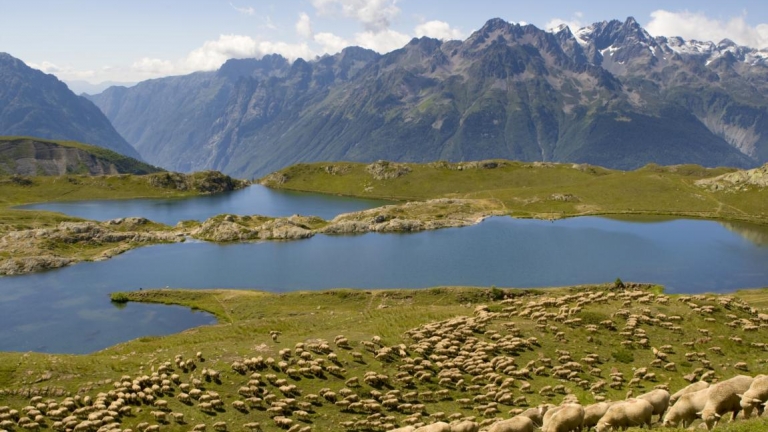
(33, 103)
(609, 94)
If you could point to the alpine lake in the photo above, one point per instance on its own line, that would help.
(68, 310)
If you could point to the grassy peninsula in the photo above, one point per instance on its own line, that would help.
(37, 240)
(355, 360)
(544, 190)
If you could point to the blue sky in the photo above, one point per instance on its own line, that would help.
(102, 40)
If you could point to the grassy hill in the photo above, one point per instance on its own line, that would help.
(484, 353)
(542, 190)
(36, 156)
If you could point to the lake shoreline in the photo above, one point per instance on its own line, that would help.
(408, 217)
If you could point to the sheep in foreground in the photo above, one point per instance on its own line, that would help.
(755, 396)
(465, 426)
(659, 399)
(435, 427)
(537, 414)
(691, 388)
(723, 397)
(515, 424)
(593, 413)
(568, 418)
(624, 414)
(686, 409)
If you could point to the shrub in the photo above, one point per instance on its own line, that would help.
(119, 297)
(619, 283)
(497, 293)
(623, 356)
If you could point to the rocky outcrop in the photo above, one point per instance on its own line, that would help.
(414, 216)
(39, 249)
(35, 157)
(230, 228)
(385, 170)
(739, 180)
(207, 182)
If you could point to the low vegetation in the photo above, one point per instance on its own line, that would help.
(540, 190)
(354, 360)
(37, 240)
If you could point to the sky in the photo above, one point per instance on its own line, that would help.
(130, 41)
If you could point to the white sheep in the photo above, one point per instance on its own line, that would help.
(659, 399)
(686, 408)
(567, 418)
(465, 426)
(755, 396)
(435, 427)
(515, 424)
(627, 413)
(724, 397)
(593, 413)
(536, 414)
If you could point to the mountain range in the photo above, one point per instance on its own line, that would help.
(33, 103)
(608, 94)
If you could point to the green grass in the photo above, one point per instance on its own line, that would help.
(542, 190)
(246, 319)
(18, 190)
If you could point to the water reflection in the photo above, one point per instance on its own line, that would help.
(757, 234)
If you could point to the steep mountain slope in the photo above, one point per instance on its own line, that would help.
(35, 156)
(610, 94)
(33, 103)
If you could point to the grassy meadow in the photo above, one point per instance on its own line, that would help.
(541, 190)
(454, 352)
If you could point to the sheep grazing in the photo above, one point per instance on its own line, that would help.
(566, 418)
(435, 427)
(659, 399)
(624, 414)
(593, 413)
(755, 397)
(724, 397)
(515, 424)
(464, 426)
(700, 385)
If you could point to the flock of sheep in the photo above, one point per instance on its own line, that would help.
(466, 363)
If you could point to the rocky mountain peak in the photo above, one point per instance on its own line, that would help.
(508, 90)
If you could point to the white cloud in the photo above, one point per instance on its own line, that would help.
(574, 23)
(375, 15)
(331, 43)
(304, 26)
(63, 72)
(244, 10)
(382, 41)
(696, 25)
(153, 67)
(214, 53)
(438, 30)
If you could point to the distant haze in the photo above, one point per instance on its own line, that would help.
(80, 87)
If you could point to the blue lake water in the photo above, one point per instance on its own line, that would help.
(254, 199)
(68, 310)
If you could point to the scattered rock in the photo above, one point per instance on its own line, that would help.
(385, 170)
(757, 177)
